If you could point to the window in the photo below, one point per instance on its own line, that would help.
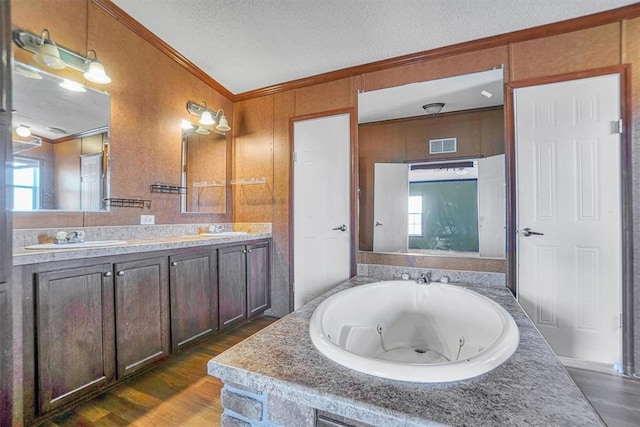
(26, 179)
(415, 215)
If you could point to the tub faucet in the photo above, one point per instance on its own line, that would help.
(423, 279)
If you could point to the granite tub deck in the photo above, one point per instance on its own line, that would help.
(280, 364)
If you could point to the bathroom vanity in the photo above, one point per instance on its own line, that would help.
(278, 376)
(94, 316)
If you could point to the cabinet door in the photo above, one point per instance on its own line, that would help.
(194, 297)
(232, 287)
(75, 333)
(258, 279)
(142, 313)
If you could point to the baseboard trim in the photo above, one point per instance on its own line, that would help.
(604, 368)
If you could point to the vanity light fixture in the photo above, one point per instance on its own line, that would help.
(186, 125)
(202, 130)
(206, 118)
(201, 110)
(47, 53)
(95, 72)
(433, 108)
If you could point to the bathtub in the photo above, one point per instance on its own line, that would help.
(406, 331)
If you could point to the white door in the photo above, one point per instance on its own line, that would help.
(390, 207)
(91, 182)
(321, 203)
(492, 212)
(568, 189)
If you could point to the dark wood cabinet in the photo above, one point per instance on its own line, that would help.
(142, 313)
(232, 285)
(258, 279)
(96, 321)
(194, 296)
(75, 333)
(244, 282)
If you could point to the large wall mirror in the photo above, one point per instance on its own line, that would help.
(204, 171)
(432, 167)
(60, 143)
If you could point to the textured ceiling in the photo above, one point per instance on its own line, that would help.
(250, 44)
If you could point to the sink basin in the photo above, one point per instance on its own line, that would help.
(87, 244)
(409, 332)
(225, 234)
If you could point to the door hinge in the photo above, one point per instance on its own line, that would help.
(295, 156)
(619, 125)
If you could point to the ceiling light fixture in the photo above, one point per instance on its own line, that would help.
(72, 86)
(433, 108)
(208, 117)
(23, 131)
(49, 54)
(486, 93)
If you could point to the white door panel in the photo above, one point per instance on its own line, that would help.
(391, 207)
(492, 212)
(321, 204)
(568, 188)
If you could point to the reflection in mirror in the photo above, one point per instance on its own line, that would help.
(60, 143)
(434, 184)
(434, 207)
(204, 172)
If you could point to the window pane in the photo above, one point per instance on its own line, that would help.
(415, 204)
(23, 199)
(415, 224)
(24, 177)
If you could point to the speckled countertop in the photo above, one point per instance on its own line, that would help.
(531, 388)
(22, 256)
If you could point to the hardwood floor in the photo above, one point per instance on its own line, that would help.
(177, 393)
(616, 398)
(180, 393)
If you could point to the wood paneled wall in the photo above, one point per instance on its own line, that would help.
(149, 92)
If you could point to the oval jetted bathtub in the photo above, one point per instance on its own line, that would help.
(414, 332)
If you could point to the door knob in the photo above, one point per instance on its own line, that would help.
(526, 232)
(341, 228)
(378, 223)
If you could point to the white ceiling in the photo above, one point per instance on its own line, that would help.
(250, 44)
(458, 93)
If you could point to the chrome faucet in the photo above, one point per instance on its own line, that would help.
(216, 228)
(423, 279)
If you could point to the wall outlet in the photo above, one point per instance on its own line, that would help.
(147, 219)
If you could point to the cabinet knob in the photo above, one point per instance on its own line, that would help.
(250, 250)
(120, 273)
(244, 251)
(174, 263)
(108, 274)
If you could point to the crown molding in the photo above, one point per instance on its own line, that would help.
(571, 25)
(139, 29)
(547, 30)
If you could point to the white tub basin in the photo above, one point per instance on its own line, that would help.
(409, 332)
(87, 244)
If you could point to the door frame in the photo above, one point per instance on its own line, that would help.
(627, 291)
(353, 199)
